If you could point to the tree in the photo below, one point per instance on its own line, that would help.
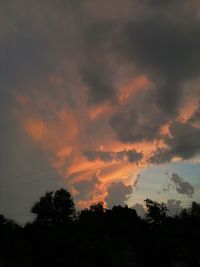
(97, 208)
(192, 212)
(195, 209)
(55, 207)
(156, 212)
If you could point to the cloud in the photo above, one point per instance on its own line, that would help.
(158, 45)
(118, 194)
(136, 181)
(140, 209)
(87, 188)
(131, 156)
(174, 207)
(182, 141)
(76, 75)
(99, 79)
(195, 118)
(142, 122)
(182, 187)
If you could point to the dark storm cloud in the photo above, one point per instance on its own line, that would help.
(99, 80)
(86, 43)
(131, 156)
(151, 38)
(163, 48)
(22, 57)
(195, 118)
(118, 194)
(96, 70)
(159, 46)
(163, 45)
(166, 49)
(140, 122)
(158, 3)
(183, 142)
(182, 187)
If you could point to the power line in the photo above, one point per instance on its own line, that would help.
(32, 181)
(80, 161)
(159, 155)
(37, 171)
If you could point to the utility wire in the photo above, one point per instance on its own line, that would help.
(55, 177)
(80, 161)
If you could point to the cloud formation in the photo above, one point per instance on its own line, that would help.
(182, 141)
(77, 76)
(140, 209)
(118, 194)
(181, 186)
(131, 156)
(87, 188)
(174, 207)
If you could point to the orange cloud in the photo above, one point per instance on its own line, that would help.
(63, 139)
(99, 110)
(188, 109)
(138, 83)
(59, 139)
(36, 129)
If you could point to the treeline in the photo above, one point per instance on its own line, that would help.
(98, 237)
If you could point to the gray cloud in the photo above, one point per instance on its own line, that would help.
(131, 156)
(174, 207)
(140, 209)
(195, 118)
(166, 50)
(182, 187)
(86, 188)
(183, 142)
(86, 43)
(141, 122)
(96, 71)
(152, 40)
(118, 194)
(136, 181)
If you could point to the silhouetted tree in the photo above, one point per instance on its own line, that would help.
(97, 208)
(156, 212)
(100, 237)
(195, 209)
(54, 207)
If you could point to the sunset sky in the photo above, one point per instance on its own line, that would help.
(101, 97)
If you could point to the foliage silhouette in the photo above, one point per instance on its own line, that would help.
(98, 236)
(54, 207)
(156, 212)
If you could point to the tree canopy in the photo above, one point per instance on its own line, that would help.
(60, 236)
(54, 207)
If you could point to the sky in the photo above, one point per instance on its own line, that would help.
(101, 98)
